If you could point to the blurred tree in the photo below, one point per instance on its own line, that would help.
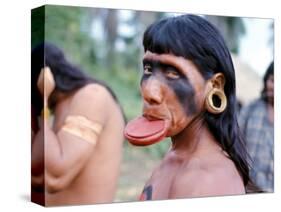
(108, 20)
(63, 27)
(37, 26)
(112, 22)
(139, 21)
(232, 28)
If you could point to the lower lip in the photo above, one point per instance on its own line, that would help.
(142, 131)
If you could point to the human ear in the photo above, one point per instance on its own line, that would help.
(218, 81)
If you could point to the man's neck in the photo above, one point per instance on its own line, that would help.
(195, 139)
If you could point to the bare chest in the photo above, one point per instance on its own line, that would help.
(160, 183)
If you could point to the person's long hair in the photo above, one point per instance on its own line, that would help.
(194, 38)
(67, 76)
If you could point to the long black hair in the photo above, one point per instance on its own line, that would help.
(194, 38)
(67, 76)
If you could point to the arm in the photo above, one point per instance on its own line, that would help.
(46, 85)
(37, 159)
(67, 153)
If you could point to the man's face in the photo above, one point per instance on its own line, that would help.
(172, 89)
(270, 88)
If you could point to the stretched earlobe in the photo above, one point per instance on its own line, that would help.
(215, 101)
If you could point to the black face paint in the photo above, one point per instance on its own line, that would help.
(181, 85)
(185, 94)
(146, 193)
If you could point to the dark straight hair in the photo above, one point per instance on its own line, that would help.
(195, 39)
(68, 77)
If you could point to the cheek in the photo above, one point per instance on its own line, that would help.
(143, 79)
(185, 95)
(142, 85)
(183, 105)
(178, 126)
(179, 121)
(269, 85)
(177, 115)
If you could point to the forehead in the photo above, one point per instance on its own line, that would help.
(185, 66)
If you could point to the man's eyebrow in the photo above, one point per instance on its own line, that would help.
(145, 61)
(161, 63)
(158, 62)
(171, 66)
(155, 63)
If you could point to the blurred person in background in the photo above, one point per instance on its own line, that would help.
(257, 123)
(76, 155)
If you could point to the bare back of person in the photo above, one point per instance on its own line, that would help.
(96, 179)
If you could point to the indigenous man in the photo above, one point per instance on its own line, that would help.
(188, 90)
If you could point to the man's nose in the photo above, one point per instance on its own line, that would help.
(152, 91)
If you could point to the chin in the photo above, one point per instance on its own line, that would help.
(174, 131)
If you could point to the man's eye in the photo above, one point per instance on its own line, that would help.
(172, 74)
(147, 69)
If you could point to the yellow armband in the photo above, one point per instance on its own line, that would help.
(83, 128)
(45, 113)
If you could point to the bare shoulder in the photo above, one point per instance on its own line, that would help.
(199, 179)
(92, 92)
(92, 101)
